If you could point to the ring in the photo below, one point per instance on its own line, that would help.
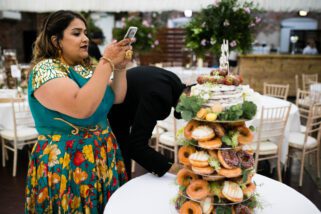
(129, 54)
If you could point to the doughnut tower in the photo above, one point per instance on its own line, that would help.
(216, 174)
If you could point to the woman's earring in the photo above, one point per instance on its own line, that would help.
(59, 52)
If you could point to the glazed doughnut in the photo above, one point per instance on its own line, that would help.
(190, 126)
(228, 158)
(232, 191)
(211, 144)
(190, 207)
(203, 170)
(183, 153)
(213, 154)
(246, 159)
(185, 176)
(202, 133)
(218, 129)
(230, 173)
(249, 190)
(198, 189)
(245, 135)
(199, 159)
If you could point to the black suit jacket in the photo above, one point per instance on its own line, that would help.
(151, 94)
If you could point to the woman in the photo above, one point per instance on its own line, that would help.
(76, 164)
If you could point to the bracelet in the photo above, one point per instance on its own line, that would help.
(110, 63)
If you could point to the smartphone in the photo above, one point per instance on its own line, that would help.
(131, 32)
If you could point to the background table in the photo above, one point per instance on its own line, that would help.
(315, 87)
(189, 76)
(293, 123)
(149, 194)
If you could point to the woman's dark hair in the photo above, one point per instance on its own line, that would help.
(54, 25)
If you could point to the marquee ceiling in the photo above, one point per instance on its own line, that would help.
(146, 5)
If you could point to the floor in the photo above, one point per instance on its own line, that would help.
(12, 189)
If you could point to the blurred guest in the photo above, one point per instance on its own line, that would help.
(151, 94)
(310, 48)
(76, 163)
(97, 38)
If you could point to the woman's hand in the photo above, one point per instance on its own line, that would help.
(116, 51)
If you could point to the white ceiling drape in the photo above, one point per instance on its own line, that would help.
(146, 5)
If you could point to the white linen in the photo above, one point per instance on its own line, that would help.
(293, 124)
(149, 194)
(188, 76)
(315, 87)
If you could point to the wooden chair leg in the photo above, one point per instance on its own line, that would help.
(3, 153)
(302, 169)
(318, 162)
(279, 170)
(15, 157)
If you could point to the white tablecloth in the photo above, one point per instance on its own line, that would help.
(188, 76)
(293, 123)
(149, 194)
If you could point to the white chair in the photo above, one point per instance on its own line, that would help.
(304, 100)
(168, 139)
(276, 90)
(23, 132)
(308, 79)
(302, 144)
(270, 135)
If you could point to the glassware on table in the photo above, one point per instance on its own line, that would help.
(294, 39)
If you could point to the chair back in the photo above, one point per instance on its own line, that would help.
(273, 122)
(304, 101)
(21, 113)
(297, 84)
(308, 79)
(8, 93)
(276, 90)
(313, 123)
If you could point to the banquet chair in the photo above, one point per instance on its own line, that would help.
(168, 139)
(302, 144)
(297, 84)
(270, 135)
(276, 90)
(304, 100)
(308, 79)
(23, 131)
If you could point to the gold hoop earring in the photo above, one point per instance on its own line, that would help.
(59, 52)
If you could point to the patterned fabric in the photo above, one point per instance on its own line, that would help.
(71, 173)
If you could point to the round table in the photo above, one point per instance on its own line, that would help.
(293, 124)
(315, 87)
(188, 76)
(149, 194)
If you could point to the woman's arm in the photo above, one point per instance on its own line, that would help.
(64, 95)
(119, 86)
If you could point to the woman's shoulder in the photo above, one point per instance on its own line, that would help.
(46, 70)
(50, 65)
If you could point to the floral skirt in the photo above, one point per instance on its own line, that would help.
(73, 173)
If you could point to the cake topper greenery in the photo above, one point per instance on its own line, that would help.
(225, 19)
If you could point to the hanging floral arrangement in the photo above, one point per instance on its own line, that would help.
(225, 19)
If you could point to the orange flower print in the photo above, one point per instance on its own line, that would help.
(79, 175)
(109, 144)
(43, 195)
(78, 158)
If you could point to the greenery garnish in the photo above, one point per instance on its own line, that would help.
(231, 139)
(214, 163)
(246, 110)
(188, 106)
(252, 128)
(223, 210)
(216, 188)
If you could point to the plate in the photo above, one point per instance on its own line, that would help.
(219, 204)
(221, 121)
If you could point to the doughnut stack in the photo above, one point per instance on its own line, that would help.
(216, 174)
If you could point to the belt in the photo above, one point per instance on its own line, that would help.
(76, 129)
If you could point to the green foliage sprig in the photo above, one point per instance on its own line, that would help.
(189, 106)
(226, 19)
(145, 36)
